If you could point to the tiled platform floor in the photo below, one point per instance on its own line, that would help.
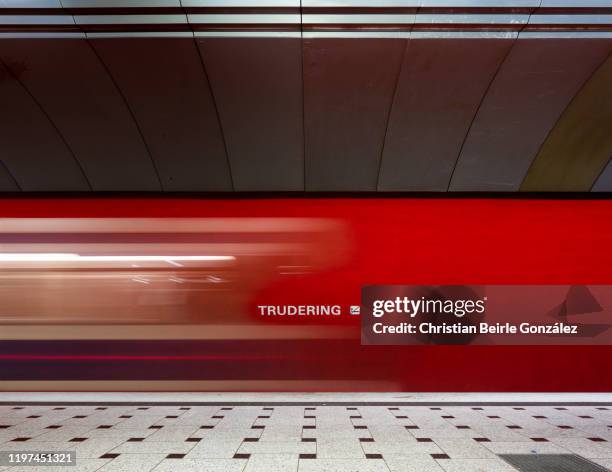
(335, 438)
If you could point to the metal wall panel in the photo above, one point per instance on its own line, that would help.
(535, 84)
(165, 85)
(348, 90)
(257, 84)
(579, 147)
(30, 147)
(441, 85)
(72, 86)
(7, 183)
(30, 4)
(604, 182)
(120, 3)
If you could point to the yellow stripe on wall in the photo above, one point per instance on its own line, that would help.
(580, 145)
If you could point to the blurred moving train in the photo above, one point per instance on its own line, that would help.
(163, 294)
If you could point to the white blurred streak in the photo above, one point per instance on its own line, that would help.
(142, 281)
(163, 225)
(174, 263)
(42, 257)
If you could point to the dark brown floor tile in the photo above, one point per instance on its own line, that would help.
(440, 456)
(109, 455)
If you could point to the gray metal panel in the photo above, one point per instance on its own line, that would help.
(440, 87)
(533, 87)
(576, 3)
(165, 85)
(72, 86)
(348, 90)
(30, 147)
(604, 182)
(119, 3)
(240, 3)
(257, 84)
(30, 4)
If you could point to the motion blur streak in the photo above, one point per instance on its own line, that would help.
(69, 271)
(108, 318)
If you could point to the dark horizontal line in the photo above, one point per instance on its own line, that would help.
(573, 11)
(568, 28)
(318, 194)
(242, 10)
(91, 11)
(278, 27)
(304, 403)
(308, 10)
(358, 10)
(348, 26)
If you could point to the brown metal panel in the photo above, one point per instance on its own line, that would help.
(535, 84)
(348, 90)
(74, 89)
(30, 147)
(168, 92)
(604, 181)
(579, 147)
(7, 182)
(257, 84)
(441, 85)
